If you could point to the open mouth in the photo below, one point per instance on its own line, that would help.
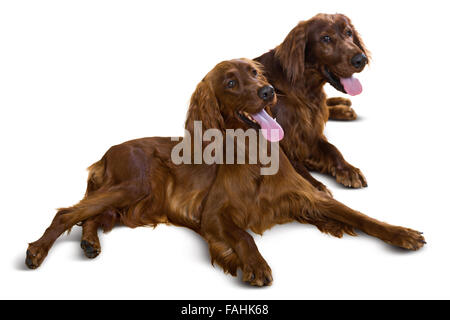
(248, 119)
(270, 128)
(334, 80)
(350, 85)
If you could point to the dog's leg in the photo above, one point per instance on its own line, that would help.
(398, 236)
(255, 269)
(67, 218)
(326, 158)
(90, 242)
(338, 101)
(301, 170)
(333, 227)
(222, 254)
(340, 109)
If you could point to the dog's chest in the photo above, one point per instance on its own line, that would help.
(303, 125)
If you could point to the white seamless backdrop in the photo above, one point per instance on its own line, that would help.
(77, 77)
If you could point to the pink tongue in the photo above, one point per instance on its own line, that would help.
(352, 86)
(271, 130)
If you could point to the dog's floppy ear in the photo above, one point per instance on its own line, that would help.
(204, 107)
(291, 52)
(358, 41)
(357, 38)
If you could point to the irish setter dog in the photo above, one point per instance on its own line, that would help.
(324, 49)
(137, 183)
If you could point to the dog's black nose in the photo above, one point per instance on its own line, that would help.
(266, 93)
(359, 61)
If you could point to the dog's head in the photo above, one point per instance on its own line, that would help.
(329, 44)
(234, 95)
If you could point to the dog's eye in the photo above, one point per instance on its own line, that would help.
(231, 84)
(255, 73)
(349, 33)
(326, 39)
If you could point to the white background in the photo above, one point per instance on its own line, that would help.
(79, 76)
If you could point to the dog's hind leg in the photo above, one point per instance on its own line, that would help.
(334, 228)
(66, 218)
(323, 222)
(90, 243)
(398, 236)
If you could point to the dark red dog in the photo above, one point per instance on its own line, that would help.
(137, 183)
(326, 48)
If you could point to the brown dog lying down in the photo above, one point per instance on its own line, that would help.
(326, 48)
(136, 184)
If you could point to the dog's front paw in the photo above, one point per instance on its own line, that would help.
(349, 176)
(34, 256)
(342, 112)
(337, 101)
(257, 273)
(407, 239)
